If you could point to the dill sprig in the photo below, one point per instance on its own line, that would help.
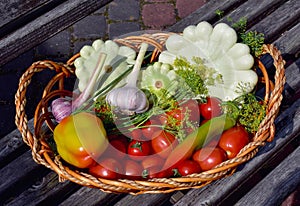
(253, 39)
(248, 111)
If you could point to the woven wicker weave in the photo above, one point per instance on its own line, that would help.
(43, 154)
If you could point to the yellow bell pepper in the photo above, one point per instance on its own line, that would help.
(80, 139)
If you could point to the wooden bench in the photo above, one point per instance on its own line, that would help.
(267, 179)
(25, 24)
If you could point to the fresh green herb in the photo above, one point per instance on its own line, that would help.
(219, 13)
(253, 39)
(103, 111)
(161, 103)
(240, 26)
(196, 75)
(247, 110)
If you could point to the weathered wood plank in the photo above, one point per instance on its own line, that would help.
(12, 9)
(279, 20)
(19, 175)
(288, 128)
(272, 15)
(206, 13)
(46, 190)
(12, 146)
(45, 26)
(292, 86)
(278, 184)
(146, 199)
(92, 196)
(254, 11)
(14, 13)
(289, 43)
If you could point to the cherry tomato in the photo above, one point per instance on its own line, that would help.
(132, 169)
(212, 108)
(156, 172)
(138, 150)
(150, 127)
(187, 167)
(117, 149)
(152, 161)
(163, 119)
(163, 143)
(108, 168)
(112, 136)
(213, 143)
(191, 108)
(209, 157)
(136, 134)
(189, 130)
(175, 116)
(152, 166)
(233, 140)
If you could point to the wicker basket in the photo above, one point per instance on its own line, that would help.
(43, 154)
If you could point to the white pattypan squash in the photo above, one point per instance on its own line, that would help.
(219, 49)
(118, 59)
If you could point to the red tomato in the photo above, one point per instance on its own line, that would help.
(191, 108)
(151, 126)
(163, 119)
(132, 169)
(212, 108)
(213, 143)
(209, 157)
(175, 116)
(233, 140)
(136, 134)
(163, 143)
(112, 136)
(152, 161)
(189, 130)
(156, 172)
(188, 167)
(108, 168)
(152, 166)
(117, 149)
(138, 150)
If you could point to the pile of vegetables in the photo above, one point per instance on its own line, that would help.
(192, 109)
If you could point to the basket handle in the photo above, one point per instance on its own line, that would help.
(20, 97)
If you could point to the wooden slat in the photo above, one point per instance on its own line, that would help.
(92, 196)
(46, 190)
(274, 188)
(273, 22)
(292, 87)
(18, 176)
(288, 127)
(288, 42)
(10, 10)
(46, 26)
(12, 146)
(254, 11)
(279, 20)
(14, 13)
(146, 199)
(206, 13)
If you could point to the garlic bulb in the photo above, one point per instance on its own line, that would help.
(61, 108)
(130, 99)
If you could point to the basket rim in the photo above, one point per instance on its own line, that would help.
(42, 153)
